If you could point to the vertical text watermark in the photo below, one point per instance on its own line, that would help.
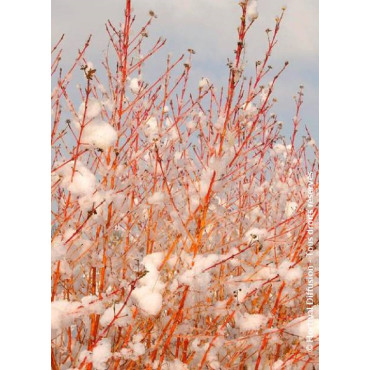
(310, 210)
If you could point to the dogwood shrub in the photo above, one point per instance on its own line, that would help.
(179, 222)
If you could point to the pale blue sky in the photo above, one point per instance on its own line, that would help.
(209, 27)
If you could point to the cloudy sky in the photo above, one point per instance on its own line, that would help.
(208, 27)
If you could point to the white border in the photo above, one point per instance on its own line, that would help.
(344, 160)
(25, 201)
(25, 184)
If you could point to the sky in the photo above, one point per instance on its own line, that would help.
(208, 27)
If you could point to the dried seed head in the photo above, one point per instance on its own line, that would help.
(152, 14)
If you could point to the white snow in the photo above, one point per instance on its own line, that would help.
(85, 355)
(153, 259)
(250, 109)
(255, 234)
(252, 10)
(280, 149)
(92, 111)
(290, 209)
(190, 125)
(178, 365)
(134, 349)
(92, 304)
(300, 327)
(250, 322)
(149, 293)
(138, 348)
(289, 274)
(195, 277)
(109, 314)
(277, 365)
(62, 313)
(87, 201)
(101, 354)
(263, 95)
(156, 198)
(135, 86)
(149, 299)
(205, 181)
(58, 250)
(99, 134)
(151, 129)
(84, 181)
(203, 83)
